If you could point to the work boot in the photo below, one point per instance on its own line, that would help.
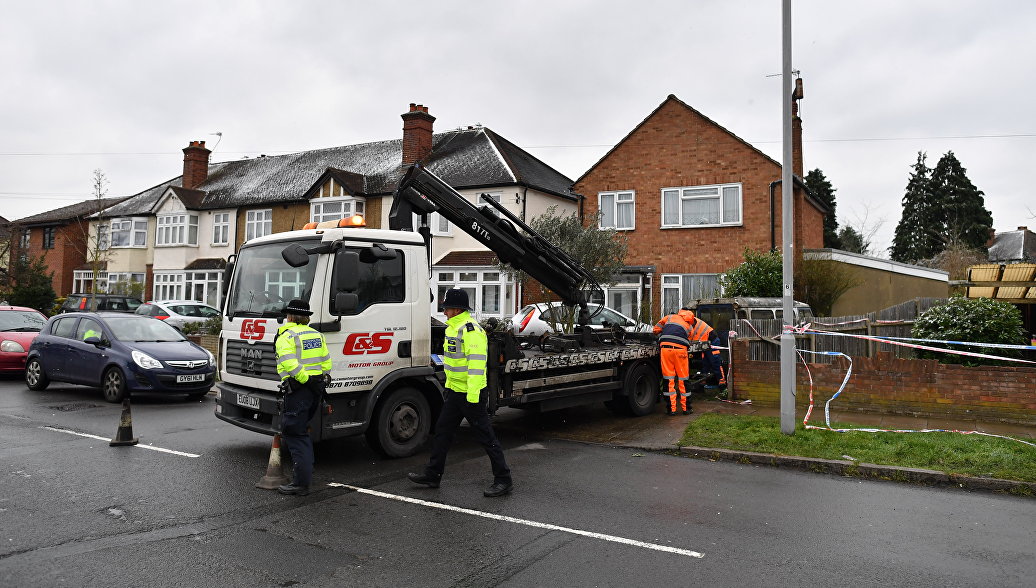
(688, 410)
(498, 489)
(293, 490)
(424, 479)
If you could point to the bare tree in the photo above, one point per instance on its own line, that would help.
(94, 243)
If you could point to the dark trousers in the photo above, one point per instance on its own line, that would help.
(455, 408)
(299, 408)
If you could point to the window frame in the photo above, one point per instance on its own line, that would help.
(616, 202)
(176, 229)
(681, 284)
(220, 228)
(719, 196)
(136, 236)
(49, 237)
(354, 205)
(253, 222)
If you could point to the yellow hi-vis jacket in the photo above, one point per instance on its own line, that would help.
(464, 356)
(301, 352)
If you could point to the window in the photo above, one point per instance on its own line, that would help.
(123, 282)
(258, 223)
(701, 206)
(204, 287)
(129, 232)
(330, 209)
(88, 328)
(381, 281)
(48, 237)
(103, 239)
(221, 228)
(83, 281)
(64, 327)
(24, 242)
(168, 286)
(488, 293)
(616, 210)
(681, 289)
(177, 229)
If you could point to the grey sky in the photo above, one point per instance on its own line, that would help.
(123, 86)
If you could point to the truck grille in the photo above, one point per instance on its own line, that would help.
(258, 360)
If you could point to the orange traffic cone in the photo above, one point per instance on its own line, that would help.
(124, 436)
(274, 474)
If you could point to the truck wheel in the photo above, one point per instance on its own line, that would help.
(641, 388)
(401, 423)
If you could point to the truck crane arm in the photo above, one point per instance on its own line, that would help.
(421, 192)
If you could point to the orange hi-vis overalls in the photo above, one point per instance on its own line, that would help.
(701, 331)
(672, 333)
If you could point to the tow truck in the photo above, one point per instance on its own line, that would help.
(370, 294)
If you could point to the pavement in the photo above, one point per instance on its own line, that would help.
(660, 433)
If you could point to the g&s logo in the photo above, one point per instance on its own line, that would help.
(253, 329)
(369, 343)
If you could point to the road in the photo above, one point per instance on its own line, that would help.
(76, 512)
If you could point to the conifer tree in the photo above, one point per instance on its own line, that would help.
(966, 221)
(821, 188)
(917, 234)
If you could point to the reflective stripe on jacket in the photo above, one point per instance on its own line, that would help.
(464, 356)
(672, 329)
(700, 331)
(301, 352)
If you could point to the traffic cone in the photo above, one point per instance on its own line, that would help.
(274, 474)
(124, 436)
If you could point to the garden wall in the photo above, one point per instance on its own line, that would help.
(888, 385)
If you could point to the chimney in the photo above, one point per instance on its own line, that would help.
(992, 238)
(417, 133)
(1023, 228)
(796, 130)
(195, 164)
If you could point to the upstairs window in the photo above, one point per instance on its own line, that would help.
(331, 209)
(616, 210)
(129, 232)
(221, 228)
(258, 223)
(23, 243)
(48, 237)
(103, 237)
(701, 206)
(177, 229)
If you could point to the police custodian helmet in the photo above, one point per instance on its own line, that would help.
(455, 298)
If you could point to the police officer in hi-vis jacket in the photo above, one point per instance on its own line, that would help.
(464, 359)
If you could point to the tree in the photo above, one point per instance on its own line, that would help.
(31, 284)
(761, 274)
(853, 241)
(601, 251)
(818, 185)
(916, 234)
(965, 217)
(92, 242)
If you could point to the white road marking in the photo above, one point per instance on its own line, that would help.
(529, 523)
(151, 447)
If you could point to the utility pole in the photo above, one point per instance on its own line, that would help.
(787, 233)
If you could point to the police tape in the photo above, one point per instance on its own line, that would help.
(893, 341)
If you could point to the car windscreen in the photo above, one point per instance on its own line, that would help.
(264, 282)
(21, 321)
(140, 329)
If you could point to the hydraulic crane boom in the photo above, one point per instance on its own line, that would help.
(421, 192)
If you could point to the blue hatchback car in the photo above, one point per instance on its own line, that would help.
(119, 353)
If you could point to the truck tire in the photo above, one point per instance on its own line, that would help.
(641, 389)
(401, 423)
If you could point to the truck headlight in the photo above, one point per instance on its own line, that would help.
(145, 361)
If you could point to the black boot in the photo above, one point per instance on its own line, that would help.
(498, 489)
(429, 480)
(293, 490)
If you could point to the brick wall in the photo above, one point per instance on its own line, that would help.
(887, 385)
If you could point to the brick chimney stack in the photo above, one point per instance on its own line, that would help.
(195, 164)
(417, 133)
(796, 130)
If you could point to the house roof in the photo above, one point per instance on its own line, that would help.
(672, 98)
(68, 213)
(468, 158)
(468, 258)
(192, 199)
(1017, 245)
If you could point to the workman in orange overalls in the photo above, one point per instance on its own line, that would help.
(711, 359)
(673, 339)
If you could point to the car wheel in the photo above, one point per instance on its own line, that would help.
(113, 385)
(35, 377)
(401, 423)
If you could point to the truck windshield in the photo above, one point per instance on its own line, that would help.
(264, 282)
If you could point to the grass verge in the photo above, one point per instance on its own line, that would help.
(953, 453)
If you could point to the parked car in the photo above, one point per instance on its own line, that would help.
(119, 353)
(108, 302)
(535, 319)
(178, 312)
(18, 327)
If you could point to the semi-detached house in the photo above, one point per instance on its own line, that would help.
(176, 237)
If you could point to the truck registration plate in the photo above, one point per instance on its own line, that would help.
(248, 401)
(190, 378)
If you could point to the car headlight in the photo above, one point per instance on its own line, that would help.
(12, 347)
(145, 361)
(212, 358)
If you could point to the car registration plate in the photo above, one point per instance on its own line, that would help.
(248, 401)
(190, 378)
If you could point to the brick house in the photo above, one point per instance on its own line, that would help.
(691, 197)
(176, 237)
(60, 236)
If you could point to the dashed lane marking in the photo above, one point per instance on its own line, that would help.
(151, 447)
(526, 522)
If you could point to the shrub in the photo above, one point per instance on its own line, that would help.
(212, 325)
(759, 275)
(975, 320)
(191, 328)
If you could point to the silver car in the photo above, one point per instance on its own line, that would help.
(177, 313)
(536, 319)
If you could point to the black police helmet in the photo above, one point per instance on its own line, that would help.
(456, 299)
(298, 307)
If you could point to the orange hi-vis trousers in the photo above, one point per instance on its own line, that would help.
(675, 371)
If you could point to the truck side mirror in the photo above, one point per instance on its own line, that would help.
(346, 274)
(295, 255)
(345, 302)
(377, 252)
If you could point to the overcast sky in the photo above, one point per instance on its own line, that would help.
(124, 86)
